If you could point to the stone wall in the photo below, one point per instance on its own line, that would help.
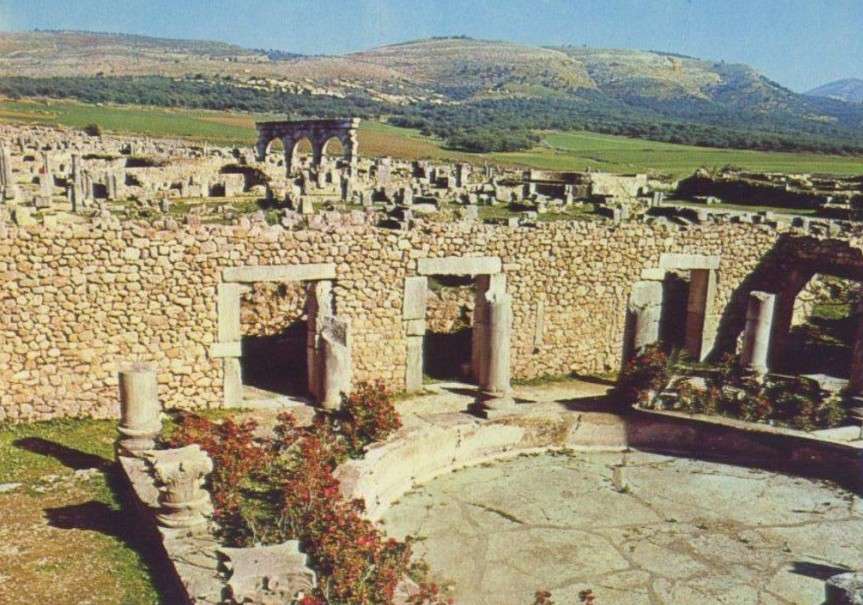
(80, 299)
(449, 309)
(270, 308)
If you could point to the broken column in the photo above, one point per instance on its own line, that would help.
(335, 352)
(140, 410)
(8, 188)
(645, 313)
(180, 474)
(318, 307)
(758, 331)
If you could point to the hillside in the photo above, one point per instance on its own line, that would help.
(472, 93)
(849, 90)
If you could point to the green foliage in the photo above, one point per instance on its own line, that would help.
(283, 488)
(795, 401)
(643, 376)
(93, 130)
(499, 124)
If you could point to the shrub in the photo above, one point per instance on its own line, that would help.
(644, 374)
(542, 597)
(283, 488)
(93, 130)
(368, 414)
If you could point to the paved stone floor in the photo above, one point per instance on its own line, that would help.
(681, 531)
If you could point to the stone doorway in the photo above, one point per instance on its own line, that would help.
(267, 369)
(447, 343)
(274, 329)
(464, 353)
(675, 305)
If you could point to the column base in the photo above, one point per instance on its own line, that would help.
(494, 405)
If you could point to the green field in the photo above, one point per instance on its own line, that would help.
(558, 150)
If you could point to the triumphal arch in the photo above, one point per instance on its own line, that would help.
(317, 132)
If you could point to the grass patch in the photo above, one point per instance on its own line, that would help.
(569, 151)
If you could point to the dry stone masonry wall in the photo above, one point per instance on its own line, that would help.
(79, 300)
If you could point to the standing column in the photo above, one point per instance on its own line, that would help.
(336, 363)
(139, 410)
(319, 306)
(645, 314)
(497, 389)
(758, 332)
(8, 189)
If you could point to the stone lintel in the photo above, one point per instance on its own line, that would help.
(264, 273)
(688, 261)
(459, 265)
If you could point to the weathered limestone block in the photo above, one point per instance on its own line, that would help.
(645, 309)
(180, 474)
(268, 575)
(459, 265)
(700, 333)
(415, 298)
(259, 273)
(414, 364)
(140, 411)
(337, 365)
(758, 331)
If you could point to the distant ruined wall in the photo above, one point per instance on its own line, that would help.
(270, 308)
(79, 300)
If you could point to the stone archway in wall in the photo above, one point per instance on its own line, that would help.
(491, 325)
(827, 258)
(652, 310)
(328, 336)
(318, 132)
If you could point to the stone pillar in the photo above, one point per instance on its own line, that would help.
(485, 288)
(180, 474)
(414, 315)
(855, 380)
(140, 411)
(645, 313)
(758, 331)
(351, 149)
(497, 390)
(702, 289)
(288, 150)
(8, 188)
(318, 307)
(336, 362)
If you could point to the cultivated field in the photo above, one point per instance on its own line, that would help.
(558, 151)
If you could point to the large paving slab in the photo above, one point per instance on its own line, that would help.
(680, 532)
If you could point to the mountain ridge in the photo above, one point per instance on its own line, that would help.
(849, 90)
(489, 84)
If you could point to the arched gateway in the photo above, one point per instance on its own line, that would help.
(318, 132)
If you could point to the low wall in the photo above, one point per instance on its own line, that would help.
(447, 442)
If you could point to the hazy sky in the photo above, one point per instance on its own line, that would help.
(799, 43)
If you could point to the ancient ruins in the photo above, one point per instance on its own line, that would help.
(186, 275)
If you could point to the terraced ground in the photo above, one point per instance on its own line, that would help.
(558, 150)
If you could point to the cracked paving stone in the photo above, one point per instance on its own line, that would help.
(685, 532)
